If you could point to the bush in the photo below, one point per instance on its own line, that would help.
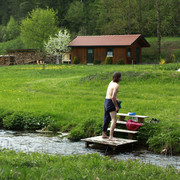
(166, 139)
(87, 128)
(163, 61)
(148, 130)
(14, 121)
(177, 55)
(26, 121)
(108, 60)
(3, 114)
(97, 62)
(120, 62)
(76, 134)
(75, 60)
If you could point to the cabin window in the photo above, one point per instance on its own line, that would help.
(129, 52)
(90, 51)
(109, 52)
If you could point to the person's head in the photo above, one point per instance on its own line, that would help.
(116, 77)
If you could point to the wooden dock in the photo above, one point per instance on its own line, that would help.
(119, 141)
(106, 141)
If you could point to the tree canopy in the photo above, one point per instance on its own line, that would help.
(58, 44)
(38, 26)
(97, 17)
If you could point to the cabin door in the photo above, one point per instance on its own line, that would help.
(90, 55)
(137, 55)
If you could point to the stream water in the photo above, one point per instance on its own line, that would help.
(43, 143)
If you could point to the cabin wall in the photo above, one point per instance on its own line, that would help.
(119, 53)
(80, 53)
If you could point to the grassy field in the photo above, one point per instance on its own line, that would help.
(74, 96)
(89, 167)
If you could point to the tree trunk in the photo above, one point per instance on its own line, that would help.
(159, 28)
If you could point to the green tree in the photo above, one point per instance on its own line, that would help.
(12, 29)
(2, 33)
(36, 29)
(75, 16)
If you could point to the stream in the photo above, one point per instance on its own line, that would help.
(56, 144)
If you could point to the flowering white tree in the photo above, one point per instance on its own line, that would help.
(58, 44)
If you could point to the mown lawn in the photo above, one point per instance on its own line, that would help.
(74, 94)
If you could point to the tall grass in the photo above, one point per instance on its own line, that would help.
(91, 166)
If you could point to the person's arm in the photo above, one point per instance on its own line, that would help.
(114, 99)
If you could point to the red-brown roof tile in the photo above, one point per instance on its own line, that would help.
(107, 40)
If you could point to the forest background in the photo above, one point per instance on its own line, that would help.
(97, 17)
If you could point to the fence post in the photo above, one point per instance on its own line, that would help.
(44, 66)
(177, 65)
(133, 64)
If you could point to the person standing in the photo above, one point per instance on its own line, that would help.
(111, 106)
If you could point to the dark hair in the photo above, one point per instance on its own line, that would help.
(116, 76)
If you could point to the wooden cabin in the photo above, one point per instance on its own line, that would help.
(126, 48)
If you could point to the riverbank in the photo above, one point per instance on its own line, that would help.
(55, 144)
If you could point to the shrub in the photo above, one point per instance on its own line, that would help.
(75, 60)
(120, 62)
(3, 114)
(163, 61)
(97, 62)
(173, 58)
(76, 134)
(14, 121)
(166, 139)
(108, 60)
(33, 122)
(26, 121)
(87, 128)
(177, 55)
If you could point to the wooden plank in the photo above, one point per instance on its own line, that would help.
(124, 131)
(100, 140)
(121, 122)
(138, 116)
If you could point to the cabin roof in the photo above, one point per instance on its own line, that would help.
(109, 40)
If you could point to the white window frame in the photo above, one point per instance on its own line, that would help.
(109, 52)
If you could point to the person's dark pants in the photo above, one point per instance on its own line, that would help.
(108, 107)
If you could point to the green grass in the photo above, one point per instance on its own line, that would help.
(90, 167)
(163, 39)
(77, 92)
(74, 95)
(169, 46)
